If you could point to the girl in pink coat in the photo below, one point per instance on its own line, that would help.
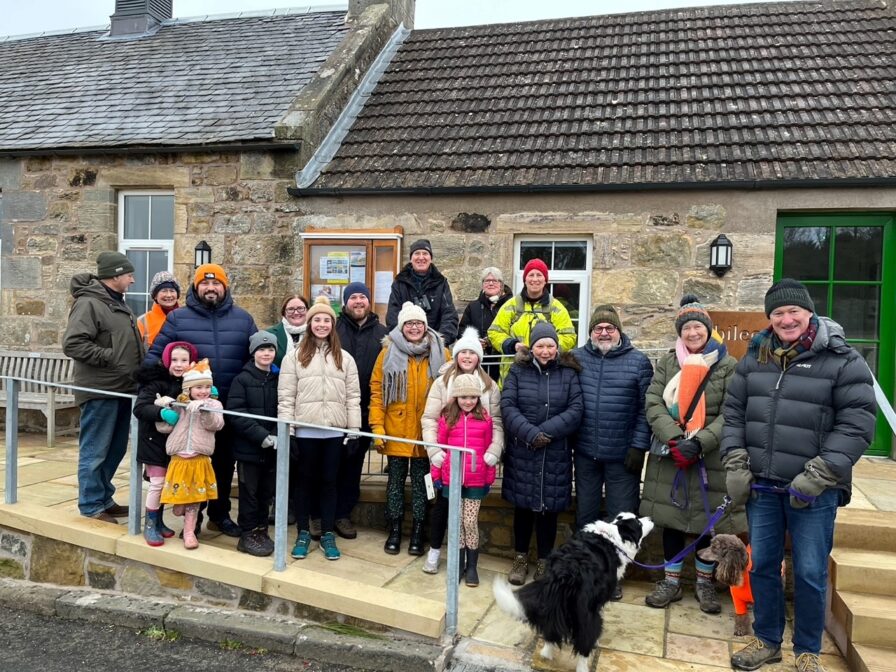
(465, 423)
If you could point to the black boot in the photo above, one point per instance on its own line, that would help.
(393, 542)
(471, 574)
(415, 545)
(461, 564)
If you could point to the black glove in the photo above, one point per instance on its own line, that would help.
(634, 461)
(351, 443)
(690, 449)
(540, 441)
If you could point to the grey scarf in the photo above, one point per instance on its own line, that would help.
(395, 364)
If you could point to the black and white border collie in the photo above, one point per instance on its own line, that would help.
(564, 606)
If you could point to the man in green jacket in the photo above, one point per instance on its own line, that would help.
(103, 340)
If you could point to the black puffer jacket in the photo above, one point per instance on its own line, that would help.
(536, 399)
(363, 342)
(153, 379)
(435, 292)
(480, 314)
(253, 391)
(822, 404)
(613, 386)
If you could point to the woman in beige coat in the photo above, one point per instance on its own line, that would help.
(319, 385)
(466, 358)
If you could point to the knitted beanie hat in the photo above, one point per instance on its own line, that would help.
(261, 339)
(469, 340)
(354, 288)
(536, 265)
(465, 385)
(163, 280)
(543, 329)
(421, 244)
(409, 312)
(112, 264)
(321, 305)
(174, 345)
(199, 374)
(210, 272)
(606, 314)
(788, 292)
(692, 310)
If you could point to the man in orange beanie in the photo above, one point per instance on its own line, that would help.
(220, 330)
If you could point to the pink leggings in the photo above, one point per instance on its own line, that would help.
(156, 482)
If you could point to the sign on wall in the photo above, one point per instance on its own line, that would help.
(737, 328)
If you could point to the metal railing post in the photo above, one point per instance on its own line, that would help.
(281, 500)
(136, 479)
(12, 440)
(453, 569)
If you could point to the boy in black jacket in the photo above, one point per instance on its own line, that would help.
(254, 390)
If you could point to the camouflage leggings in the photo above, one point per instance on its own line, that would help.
(397, 469)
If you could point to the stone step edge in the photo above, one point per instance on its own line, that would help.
(881, 570)
(304, 639)
(862, 657)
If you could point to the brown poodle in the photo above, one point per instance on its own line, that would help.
(733, 565)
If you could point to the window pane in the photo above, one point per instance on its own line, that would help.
(136, 217)
(857, 255)
(570, 256)
(158, 261)
(806, 252)
(141, 270)
(869, 352)
(162, 217)
(857, 309)
(570, 295)
(139, 303)
(530, 251)
(819, 294)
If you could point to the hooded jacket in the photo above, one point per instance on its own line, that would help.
(253, 391)
(153, 379)
(469, 432)
(613, 387)
(540, 399)
(821, 405)
(102, 339)
(434, 290)
(363, 342)
(221, 335)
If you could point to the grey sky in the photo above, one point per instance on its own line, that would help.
(34, 16)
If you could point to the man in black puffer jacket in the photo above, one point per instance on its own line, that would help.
(612, 440)
(799, 414)
(220, 330)
(421, 283)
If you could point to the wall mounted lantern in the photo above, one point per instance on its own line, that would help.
(720, 255)
(202, 254)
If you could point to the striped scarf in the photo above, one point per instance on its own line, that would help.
(766, 345)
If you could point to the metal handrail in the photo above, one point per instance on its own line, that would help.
(282, 475)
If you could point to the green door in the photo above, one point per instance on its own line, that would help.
(847, 262)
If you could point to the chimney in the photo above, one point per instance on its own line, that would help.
(136, 17)
(402, 11)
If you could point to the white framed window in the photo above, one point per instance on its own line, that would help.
(146, 236)
(569, 260)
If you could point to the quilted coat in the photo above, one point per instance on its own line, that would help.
(469, 432)
(153, 379)
(253, 391)
(540, 399)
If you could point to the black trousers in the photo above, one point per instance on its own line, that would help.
(223, 465)
(545, 525)
(438, 520)
(318, 467)
(349, 481)
(258, 480)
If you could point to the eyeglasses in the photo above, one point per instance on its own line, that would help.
(295, 311)
(604, 330)
(415, 324)
(491, 282)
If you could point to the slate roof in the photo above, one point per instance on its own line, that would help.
(200, 82)
(725, 95)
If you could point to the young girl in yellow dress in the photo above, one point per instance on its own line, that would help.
(190, 479)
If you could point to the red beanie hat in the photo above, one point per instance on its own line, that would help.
(536, 265)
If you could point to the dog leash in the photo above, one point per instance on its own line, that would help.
(687, 550)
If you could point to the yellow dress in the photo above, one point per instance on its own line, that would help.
(189, 480)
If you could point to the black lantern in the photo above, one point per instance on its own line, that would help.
(202, 254)
(720, 255)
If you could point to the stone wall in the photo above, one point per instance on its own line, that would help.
(60, 212)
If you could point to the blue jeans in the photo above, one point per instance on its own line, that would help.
(812, 533)
(592, 478)
(102, 444)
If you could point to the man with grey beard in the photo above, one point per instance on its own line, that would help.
(612, 441)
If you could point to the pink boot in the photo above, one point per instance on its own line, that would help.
(191, 512)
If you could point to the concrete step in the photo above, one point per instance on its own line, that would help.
(867, 619)
(863, 658)
(862, 529)
(861, 571)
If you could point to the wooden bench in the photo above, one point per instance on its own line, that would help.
(51, 367)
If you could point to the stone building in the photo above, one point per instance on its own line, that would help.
(617, 148)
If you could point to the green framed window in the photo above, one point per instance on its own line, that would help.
(847, 262)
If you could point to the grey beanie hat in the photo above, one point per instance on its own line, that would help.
(543, 329)
(788, 292)
(261, 339)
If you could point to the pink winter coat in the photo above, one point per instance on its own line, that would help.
(194, 433)
(469, 432)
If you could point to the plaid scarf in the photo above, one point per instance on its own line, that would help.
(766, 344)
